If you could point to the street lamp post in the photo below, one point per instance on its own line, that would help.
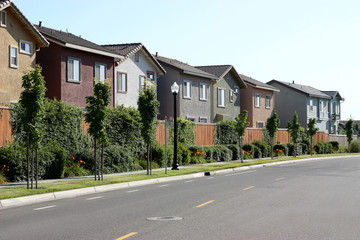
(175, 90)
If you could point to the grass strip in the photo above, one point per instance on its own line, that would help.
(20, 191)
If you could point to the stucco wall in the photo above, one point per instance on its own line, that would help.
(11, 78)
(231, 109)
(56, 71)
(256, 114)
(133, 70)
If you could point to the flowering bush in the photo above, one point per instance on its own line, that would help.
(4, 169)
(75, 167)
(197, 157)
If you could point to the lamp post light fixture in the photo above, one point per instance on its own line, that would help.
(175, 90)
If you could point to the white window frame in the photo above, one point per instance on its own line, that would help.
(72, 78)
(187, 89)
(121, 82)
(148, 74)
(268, 101)
(321, 106)
(142, 79)
(193, 119)
(311, 105)
(203, 92)
(260, 123)
(236, 90)
(221, 97)
(257, 100)
(231, 95)
(24, 50)
(102, 75)
(16, 65)
(3, 24)
(203, 118)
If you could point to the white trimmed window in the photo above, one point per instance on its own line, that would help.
(203, 91)
(142, 82)
(257, 100)
(203, 120)
(221, 97)
(100, 72)
(74, 69)
(191, 119)
(311, 105)
(121, 82)
(3, 22)
(150, 75)
(187, 89)
(26, 47)
(236, 90)
(321, 106)
(231, 95)
(268, 101)
(259, 124)
(14, 57)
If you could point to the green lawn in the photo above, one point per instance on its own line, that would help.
(19, 191)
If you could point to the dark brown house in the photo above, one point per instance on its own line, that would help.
(71, 64)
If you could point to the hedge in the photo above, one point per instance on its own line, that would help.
(224, 133)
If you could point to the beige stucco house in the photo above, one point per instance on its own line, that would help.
(19, 40)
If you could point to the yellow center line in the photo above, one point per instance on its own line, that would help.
(248, 188)
(201, 205)
(126, 236)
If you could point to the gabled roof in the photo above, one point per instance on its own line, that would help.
(70, 40)
(40, 39)
(257, 84)
(307, 90)
(184, 67)
(129, 49)
(334, 94)
(221, 70)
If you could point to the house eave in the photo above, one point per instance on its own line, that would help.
(200, 75)
(90, 50)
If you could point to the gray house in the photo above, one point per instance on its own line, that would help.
(335, 110)
(226, 91)
(195, 91)
(307, 101)
(132, 71)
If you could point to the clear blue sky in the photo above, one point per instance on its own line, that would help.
(314, 43)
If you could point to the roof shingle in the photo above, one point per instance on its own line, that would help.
(257, 84)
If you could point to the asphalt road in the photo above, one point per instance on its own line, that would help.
(307, 200)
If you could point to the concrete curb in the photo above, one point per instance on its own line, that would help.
(20, 201)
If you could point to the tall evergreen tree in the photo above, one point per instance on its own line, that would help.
(349, 127)
(272, 125)
(311, 131)
(240, 127)
(294, 130)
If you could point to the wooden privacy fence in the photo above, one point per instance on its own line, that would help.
(205, 135)
(5, 127)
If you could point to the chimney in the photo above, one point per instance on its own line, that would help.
(293, 81)
(156, 54)
(40, 22)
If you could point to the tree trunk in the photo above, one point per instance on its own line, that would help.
(102, 162)
(147, 160)
(311, 146)
(272, 149)
(95, 158)
(37, 169)
(150, 160)
(32, 169)
(27, 161)
(241, 152)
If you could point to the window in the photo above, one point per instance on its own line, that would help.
(100, 72)
(231, 95)
(121, 82)
(142, 82)
(74, 69)
(150, 75)
(203, 119)
(137, 56)
(191, 119)
(321, 107)
(259, 124)
(257, 100)
(237, 91)
(268, 101)
(203, 91)
(3, 19)
(14, 58)
(187, 89)
(221, 97)
(26, 47)
(311, 107)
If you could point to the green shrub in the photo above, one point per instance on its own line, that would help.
(323, 147)
(235, 148)
(355, 147)
(343, 149)
(197, 157)
(291, 148)
(216, 153)
(13, 156)
(184, 154)
(248, 151)
(52, 162)
(124, 129)
(280, 150)
(264, 148)
(335, 145)
(224, 133)
(185, 132)
(118, 159)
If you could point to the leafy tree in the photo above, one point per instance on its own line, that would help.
(272, 125)
(240, 127)
(148, 107)
(32, 105)
(96, 116)
(357, 129)
(349, 128)
(311, 131)
(294, 130)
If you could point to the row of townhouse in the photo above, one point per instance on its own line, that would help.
(207, 94)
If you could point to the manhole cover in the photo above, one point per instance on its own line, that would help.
(164, 218)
